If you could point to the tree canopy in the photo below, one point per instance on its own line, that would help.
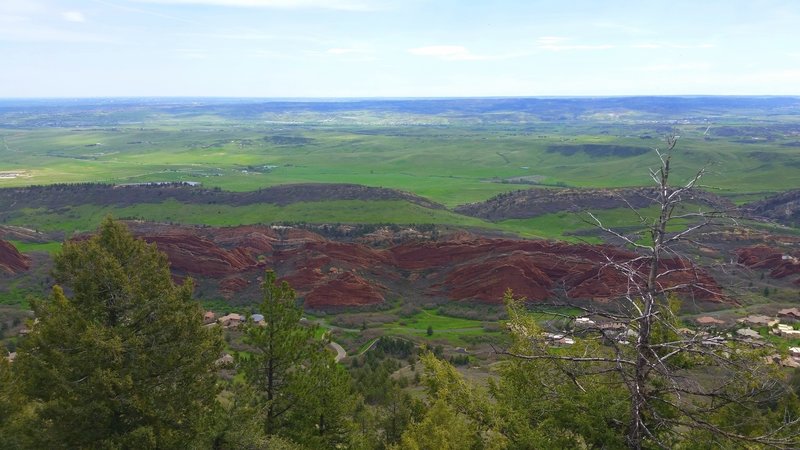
(118, 357)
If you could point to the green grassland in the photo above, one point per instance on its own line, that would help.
(81, 218)
(456, 163)
(452, 165)
(569, 226)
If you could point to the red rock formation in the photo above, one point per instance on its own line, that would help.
(192, 254)
(230, 286)
(480, 268)
(347, 289)
(11, 260)
(331, 274)
(488, 279)
(780, 263)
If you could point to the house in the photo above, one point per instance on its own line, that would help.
(794, 352)
(584, 322)
(231, 320)
(708, 321)
(748, 333)
(225, 360)
(209, 317)
(757, 320)
(790, 314)
(565, 341)
(612, 326)
(788, 332)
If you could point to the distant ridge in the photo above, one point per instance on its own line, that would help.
(58, 195)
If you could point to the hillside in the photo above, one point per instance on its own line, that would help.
(420, 269)
(55, 196)
(783, 208)
(12, 261)
(528, 203)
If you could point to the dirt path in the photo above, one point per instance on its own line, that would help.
(340, 353)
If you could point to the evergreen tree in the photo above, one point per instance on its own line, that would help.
(306, 396)
(124, 361)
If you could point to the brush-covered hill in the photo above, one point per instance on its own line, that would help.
(783, 208)
(528, 203)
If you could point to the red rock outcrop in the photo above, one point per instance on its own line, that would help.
(487, 280)
(346, 289)
(230, 286)
(11, 260)
(329, 274)
(779, 262)
(192, 254)
(482, 269)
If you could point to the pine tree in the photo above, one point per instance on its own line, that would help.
(306, 396)
(123, 361)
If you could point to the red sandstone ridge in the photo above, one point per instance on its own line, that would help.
(488, 279)
(192, 254)
(780, 263)
(330, 274)
(11, 260)
(482, 269)
(346, 289)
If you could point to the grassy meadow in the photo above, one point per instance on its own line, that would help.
(450, 165)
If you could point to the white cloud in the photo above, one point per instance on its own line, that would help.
(254, 35)
(73, 16)
(447, 52)
(557, 44)
(676, 67)
(343, 5)
(344, 51)
(668, 45)
(191, 53)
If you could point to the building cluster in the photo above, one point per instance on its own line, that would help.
(782, 324)
(231, 320)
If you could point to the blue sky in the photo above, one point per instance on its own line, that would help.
(397, 48)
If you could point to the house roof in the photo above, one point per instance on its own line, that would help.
(747, 332)
(795, 312)
(708, 320)
(758, 319)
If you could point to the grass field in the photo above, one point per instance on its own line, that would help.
(452, 165)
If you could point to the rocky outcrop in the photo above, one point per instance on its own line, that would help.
(11, 260)
(198, 256)
(536, 202)
(779, 263)
(330, 274)
(482, 269)
(343, 290)
(783, 208)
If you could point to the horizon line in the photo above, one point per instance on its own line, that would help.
(361, 98)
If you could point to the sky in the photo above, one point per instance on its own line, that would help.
(398, 48)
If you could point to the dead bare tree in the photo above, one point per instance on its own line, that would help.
(662, 370)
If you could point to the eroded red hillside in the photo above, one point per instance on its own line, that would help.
(780, 263)
(11, 260)
(330, 274)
